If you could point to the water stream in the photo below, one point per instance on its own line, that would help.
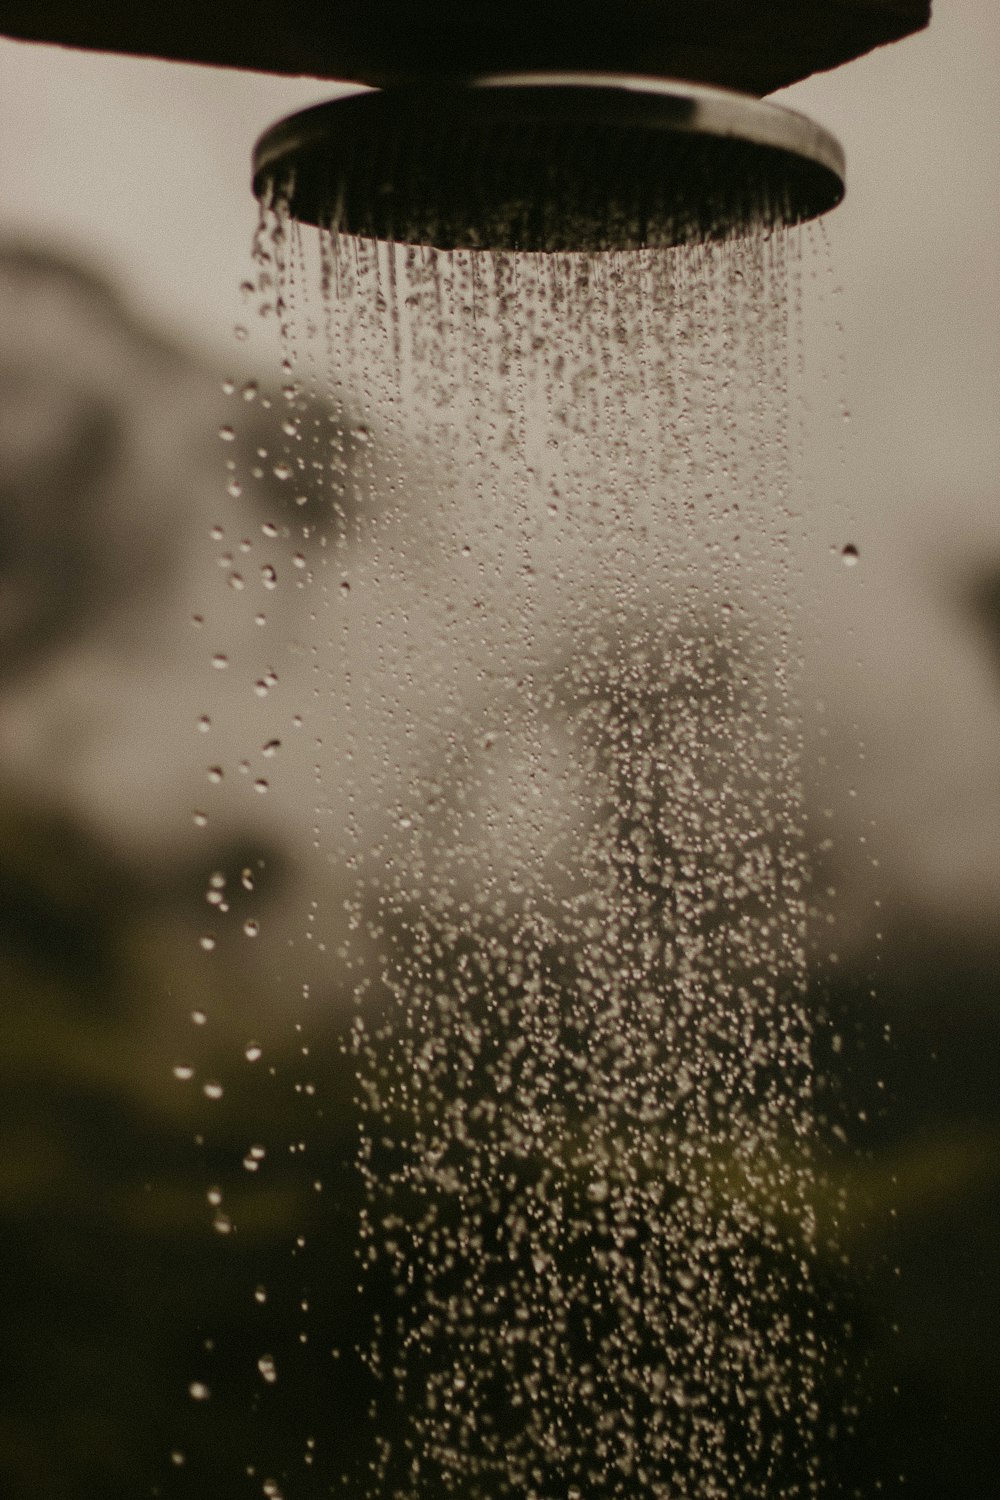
(554, 680)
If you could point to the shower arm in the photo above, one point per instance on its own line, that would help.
(753, 47)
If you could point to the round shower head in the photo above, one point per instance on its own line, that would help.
(548, 162)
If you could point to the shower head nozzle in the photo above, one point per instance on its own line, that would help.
(549, 162)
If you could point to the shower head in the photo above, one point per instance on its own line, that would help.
(549, 162)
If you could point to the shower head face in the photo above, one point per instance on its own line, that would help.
(551, 162)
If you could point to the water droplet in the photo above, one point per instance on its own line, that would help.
(177, 1458)
(246, 879)
(207, 941)
(271, 748)
(253, 1052)
(199, 1017)
(260, 1294)
(241, 333)
(199, 818)
(198, 1391)
(183, 1071)
(204, 723)
(850, 555)
(215, 774)
(227, 434)
(220, 661)
(249, 391)
(266, 1367)
(282, 470)
(228, 386)
(251, 927)
(217, 533)
(212, 1090)
(345, 587)
(269, 576)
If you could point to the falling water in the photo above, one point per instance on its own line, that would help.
(557, 689)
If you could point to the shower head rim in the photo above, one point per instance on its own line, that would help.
(555, 100)
(715, 111)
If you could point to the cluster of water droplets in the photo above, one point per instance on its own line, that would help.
(556, 668)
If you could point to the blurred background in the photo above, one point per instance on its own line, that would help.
(141, 1067)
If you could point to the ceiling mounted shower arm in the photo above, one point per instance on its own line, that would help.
(753, 47)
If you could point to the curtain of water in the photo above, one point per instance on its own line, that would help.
(556, 677)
